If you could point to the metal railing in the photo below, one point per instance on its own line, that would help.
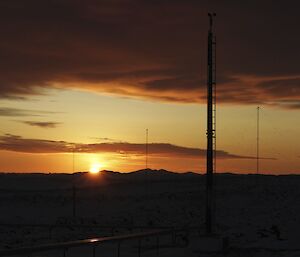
(108, 229)
(64, 246)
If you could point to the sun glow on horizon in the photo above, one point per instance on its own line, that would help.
(95, 168)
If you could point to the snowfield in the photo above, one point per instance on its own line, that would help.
(258, 214)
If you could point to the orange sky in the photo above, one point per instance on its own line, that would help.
(95, 77)
(110, 131)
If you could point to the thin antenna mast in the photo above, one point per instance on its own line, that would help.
(257, 142)
(211, 123)
(146, 148)
(73, 187)
(73, 153)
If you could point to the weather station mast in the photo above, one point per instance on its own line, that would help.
(211, 125)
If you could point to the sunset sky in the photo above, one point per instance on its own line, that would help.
(85, 79)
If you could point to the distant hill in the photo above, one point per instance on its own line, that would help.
(51, 181)
(65, 181)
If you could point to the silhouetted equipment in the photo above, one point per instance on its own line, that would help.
(257, 143)
(211, 124)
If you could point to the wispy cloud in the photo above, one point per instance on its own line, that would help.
(42, 124)
(19, 144)
(15, 112)
(107, 139)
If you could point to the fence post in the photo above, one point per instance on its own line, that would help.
(65, 252)
(94, 251)
(119, 246)
(173, 237)
(187, 236)
(50, 232)
(140, 247)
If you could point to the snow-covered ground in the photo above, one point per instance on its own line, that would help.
(259, 215)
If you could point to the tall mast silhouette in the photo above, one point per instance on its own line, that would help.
(211, 123)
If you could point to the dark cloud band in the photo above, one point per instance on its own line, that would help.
(151, 49)
(18, 144)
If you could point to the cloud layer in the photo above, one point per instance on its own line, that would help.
(39, 146)
(42, 124)
(151, 49)
(15, 112)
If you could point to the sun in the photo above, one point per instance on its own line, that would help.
(95, 168)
